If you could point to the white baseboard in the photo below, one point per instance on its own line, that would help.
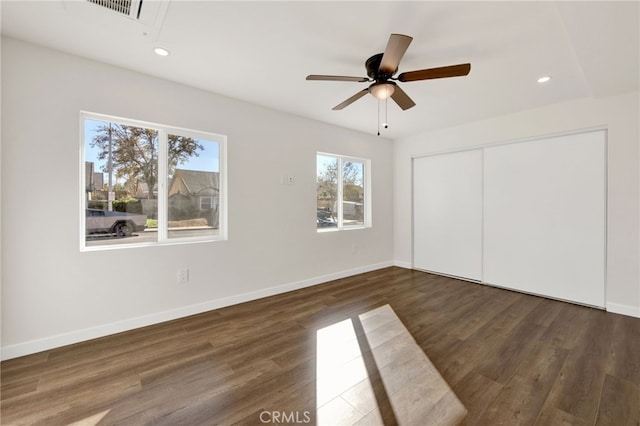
(616, 308)
(39, 345)
(402, 264)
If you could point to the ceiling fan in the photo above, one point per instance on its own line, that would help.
(381, 69)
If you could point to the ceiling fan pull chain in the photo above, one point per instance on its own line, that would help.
(386, 119)
(379, 116)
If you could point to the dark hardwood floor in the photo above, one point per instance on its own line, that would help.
(509, 358)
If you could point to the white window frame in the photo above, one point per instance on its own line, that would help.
(163, 189)
(366, 180)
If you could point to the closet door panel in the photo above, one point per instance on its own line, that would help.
(544, 217)
(447, 214)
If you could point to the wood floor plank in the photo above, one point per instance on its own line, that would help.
(510, 358)
(567, 327)
(68, 403)
(521, 399)
(477, 392)
(557, 417)
(493, 355)
(577, 389)
(502, 363)
(616, 411)
(624, 352)
(479, 313)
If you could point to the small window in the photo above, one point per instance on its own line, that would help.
(343, 193)
(146, 183)
(206, 203)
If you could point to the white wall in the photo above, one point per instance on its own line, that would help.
(618, 114)
(53, 294)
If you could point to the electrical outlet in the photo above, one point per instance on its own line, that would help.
(183, 275)
(287, 180)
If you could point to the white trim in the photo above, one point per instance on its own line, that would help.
(46, 343)
(162, 167)
(340, 194)
(402, 264)
(617, 308)
(82, 205)
(223, 204)
(605, 254)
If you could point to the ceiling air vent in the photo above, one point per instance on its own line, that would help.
(130, 8)
(110, 13)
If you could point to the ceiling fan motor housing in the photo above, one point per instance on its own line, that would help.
(373, 68)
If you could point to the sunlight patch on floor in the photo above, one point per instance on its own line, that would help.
(91, 421)
(339, 367)
(370, 371)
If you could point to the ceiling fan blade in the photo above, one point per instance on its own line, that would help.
(351, 99)
(393, 53)
(442, 72)
(402, 99)
(336, 78)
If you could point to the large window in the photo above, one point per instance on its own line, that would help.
(343, 193)
(146, 183)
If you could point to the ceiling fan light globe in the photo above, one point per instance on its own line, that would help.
(382, 91)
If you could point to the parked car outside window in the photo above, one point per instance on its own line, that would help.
(120, 224)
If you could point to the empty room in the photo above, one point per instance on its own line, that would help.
(473, 259)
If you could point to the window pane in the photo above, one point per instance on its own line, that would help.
(121, 175)
(194, 187)
(327, 192)
(352, 193)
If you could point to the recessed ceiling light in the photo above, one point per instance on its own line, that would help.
(544, 79)
(161, 51)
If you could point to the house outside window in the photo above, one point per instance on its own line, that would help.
(146, 183)
(343, 192)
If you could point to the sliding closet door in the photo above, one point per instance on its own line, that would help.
(447, 214)
(544, 217)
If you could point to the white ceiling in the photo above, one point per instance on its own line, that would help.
(261, 52)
